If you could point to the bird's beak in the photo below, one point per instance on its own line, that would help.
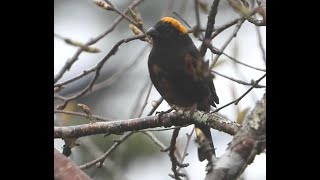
(152, 32)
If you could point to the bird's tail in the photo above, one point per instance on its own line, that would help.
(206, 147)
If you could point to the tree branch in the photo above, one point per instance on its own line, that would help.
(74, 58)
(176, 175)
(155, 140)
(105, 155)
(263, 52)
(97, 118)
(65, 169)
(178, 118)
(249, 141)
(210, 26)
(239, 81)
(97, 69)
(234, 34)
(236, 101)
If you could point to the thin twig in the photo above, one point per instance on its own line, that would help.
(149, 85)
(98, 68)
(75, 43)
(173, 158)
(56, 96)
(238, 81)
(261, 44)
(210, 25)
(235, 60)
(154, 139)
(215, 50)
(119, 73)
(182, 19)
(98, 118)
(111, 79)
(163, 129)
(234, 34)
(126, 17)
(196, 8)
(219, 29)
(198, 22)
(154, 108)
(105, 155)
(185, 153)
(74, 58)
(236, 101)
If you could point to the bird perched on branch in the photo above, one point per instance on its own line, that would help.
(181, 76)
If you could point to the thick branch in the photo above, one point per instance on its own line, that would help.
(249, 141)
(65, 169)
(178, 118)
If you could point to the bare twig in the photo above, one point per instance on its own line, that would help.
(98, 68)
(173, 158)
(238, 81)
(74, 58)
(75, 43)
(196, 8)
(219, 29)
(197, 30)
(56, 96)
(114, 77)
(185, 153)
(162, 129)
(126, 17)
(236, 101)
(155, 140)
(239, 62)
(149, 86)
(98, 118)
(215, 50)
(105, 155)
(261, 44)
(182, 19)
(234, 34)
(111, 79)
(177, 118)
(154, 108)
(210, 25)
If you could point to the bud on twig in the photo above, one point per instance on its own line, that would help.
(103, 4)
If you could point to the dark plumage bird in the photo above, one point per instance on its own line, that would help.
(180, 75)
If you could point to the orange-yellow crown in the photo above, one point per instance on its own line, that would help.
(175, 23)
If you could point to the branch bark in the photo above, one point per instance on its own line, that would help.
(249, 141)
(178, 118)
(65, 169)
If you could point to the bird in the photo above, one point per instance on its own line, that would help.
(181, 76)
